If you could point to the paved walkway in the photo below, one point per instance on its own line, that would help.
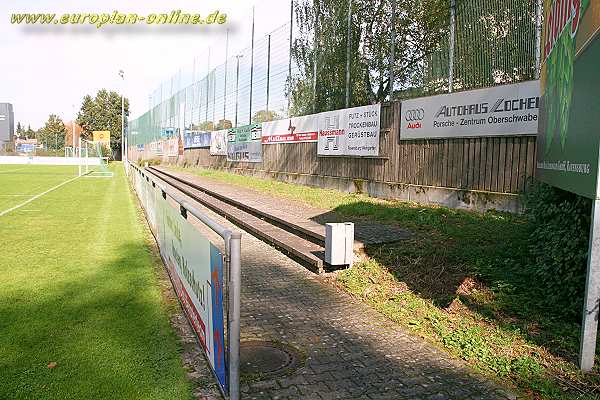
(352, 351)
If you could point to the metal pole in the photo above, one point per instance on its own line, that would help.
(314, 82)
(290, 55)
(251, 67)
(393, 50)
(591, 305)
(451, 49)
(123, 153)
(348, 44)
(73, 131)
(235, 253)
(237, 83)
(268, 69)
(225, 84)
(207, 79)
(538, 39)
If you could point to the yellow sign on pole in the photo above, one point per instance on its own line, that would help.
(102, 137)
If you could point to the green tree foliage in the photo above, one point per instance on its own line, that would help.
(264, 116)
(103, 113)
(495, 44)
(420, 25)
(559, 245)
(20, 130)
(52, 135)
(224, 124)
(30, 133)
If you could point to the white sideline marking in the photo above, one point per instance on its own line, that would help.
(16, 195)
(37, 196)
(11, 170)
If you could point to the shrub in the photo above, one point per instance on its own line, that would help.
(559, 244)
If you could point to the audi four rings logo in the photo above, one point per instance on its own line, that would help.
(415, 115)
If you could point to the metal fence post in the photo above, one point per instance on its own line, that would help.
(237, 86)
(207, 77)
(348, 44)
(268, 69)
(225, 83)
(290, 56)
(251, 67)
(451, 49)
(315, 52)
(235, 252)
(538, 38)
(393, 50)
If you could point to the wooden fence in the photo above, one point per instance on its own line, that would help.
(491, 164)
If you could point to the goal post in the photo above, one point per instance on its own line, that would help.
(93, 160)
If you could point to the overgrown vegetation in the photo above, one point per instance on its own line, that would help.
(559, 244)
(470, 282)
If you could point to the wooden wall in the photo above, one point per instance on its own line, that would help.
(494, 164)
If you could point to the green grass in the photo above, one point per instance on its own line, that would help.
(80, 288)
(462, 282)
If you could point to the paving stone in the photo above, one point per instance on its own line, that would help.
(347, 344)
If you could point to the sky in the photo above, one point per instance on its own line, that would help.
(48, 69)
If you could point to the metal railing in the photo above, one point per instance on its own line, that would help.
(232, 244)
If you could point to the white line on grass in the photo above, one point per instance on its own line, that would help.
(16, 195)
(10, 170)
(37, 196)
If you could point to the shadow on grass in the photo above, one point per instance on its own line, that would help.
(104, 325)
(479, 258)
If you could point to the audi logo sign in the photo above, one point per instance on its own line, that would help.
(414, 115)
(500, 110)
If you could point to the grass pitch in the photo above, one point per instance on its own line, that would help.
(81, 312)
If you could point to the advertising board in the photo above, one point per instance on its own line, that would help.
(244, 144)
(349, 132)
(496, 111)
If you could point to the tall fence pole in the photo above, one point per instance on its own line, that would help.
(225, 83)
(348, 45)
(235, 254)
(237, 86)
(251, 67)
(393, 50)
(290, 57)
(268, 68)
(315, 57)
(451, 49)
(538, 38)
(207, 79)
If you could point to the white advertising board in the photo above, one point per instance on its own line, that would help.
(291, 130)
(350, 132)
(501, 110)
(218, 143)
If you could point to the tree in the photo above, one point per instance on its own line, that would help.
(30, 133)
(264, 116)
(103, 113)
(224, 124)
(420, 25)
(204, 126)
(53, 133)
(20, 130)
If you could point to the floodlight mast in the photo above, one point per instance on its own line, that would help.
(123, 147)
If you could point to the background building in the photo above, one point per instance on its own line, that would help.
(7, 124)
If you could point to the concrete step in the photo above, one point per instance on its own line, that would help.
(302, 227)
(306, 252)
